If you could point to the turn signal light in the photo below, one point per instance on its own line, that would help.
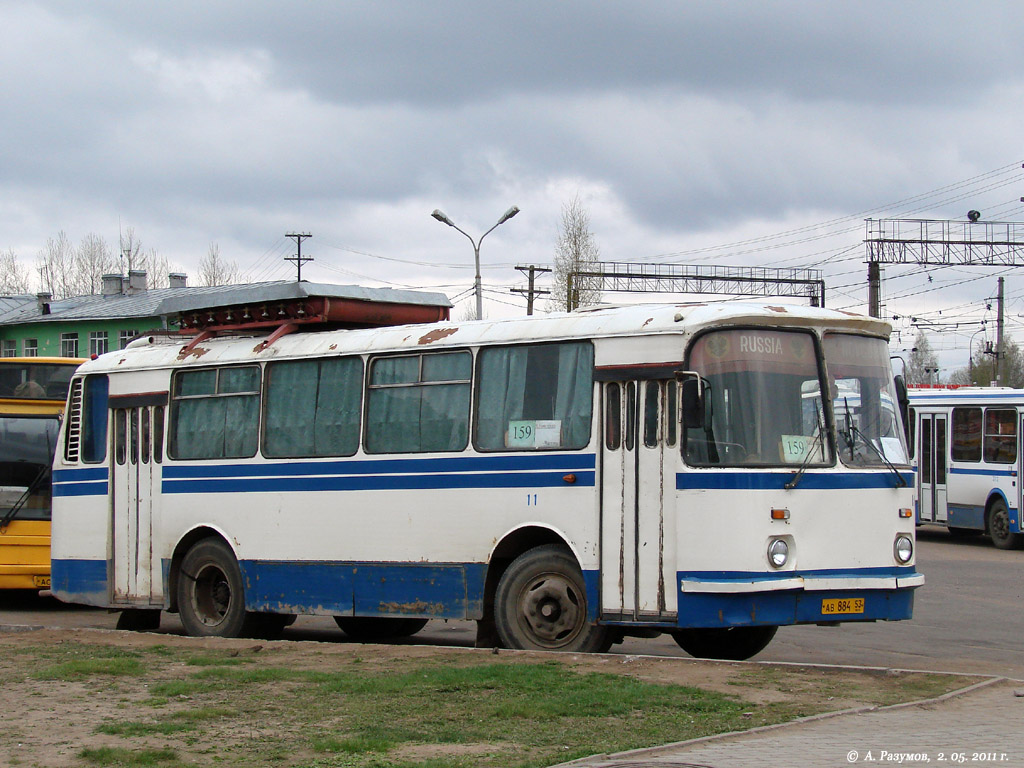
(906, 513)
(780, 514)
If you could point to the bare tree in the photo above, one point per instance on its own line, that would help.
(922, 363)
(575, 250)
(93, 259)
(13, 276)
(131, 254)
(56, 267)
(214, 270)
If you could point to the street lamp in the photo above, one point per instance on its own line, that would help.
(440, 216)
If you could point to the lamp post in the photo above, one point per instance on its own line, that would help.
(440, 216)
(970, 354)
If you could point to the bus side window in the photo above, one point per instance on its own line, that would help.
(612, 416)
(630, 416)
(535, 397)
(215, 413)
(967, 431)
(94, 419)
(418, 403)
(1000, 435)
(147, 434)
(312, 407)
(911, 438)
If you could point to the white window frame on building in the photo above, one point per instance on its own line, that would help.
(30, 348)
(10, 348)
(123, 337)
(99, 342)
(69, 345)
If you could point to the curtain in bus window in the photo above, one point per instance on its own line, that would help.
(312, 407)
(411, 410)
(216, 427)
(535, 397)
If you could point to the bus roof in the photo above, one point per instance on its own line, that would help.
(966, 395)
(601, 322)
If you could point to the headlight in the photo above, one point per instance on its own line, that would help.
(778, 553)
(903, 549)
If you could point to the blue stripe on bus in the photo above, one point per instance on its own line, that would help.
(377, 482)
(386, 466)
(965, 471)
(776, 481)
(80, 489)
(80, 581)
(76, 475)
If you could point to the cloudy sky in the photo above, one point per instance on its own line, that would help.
(733, 133)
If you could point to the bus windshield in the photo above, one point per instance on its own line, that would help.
(760, 384)
(26, 452)
(35, 381)
(868, 426)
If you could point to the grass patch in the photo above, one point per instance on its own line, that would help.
(294, 705)
(116, 757)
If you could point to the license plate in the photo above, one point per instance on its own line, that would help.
(834, 607)
(41, 581)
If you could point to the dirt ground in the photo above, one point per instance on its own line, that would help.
(49, 722)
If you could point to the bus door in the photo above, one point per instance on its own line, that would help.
(135, 476)
(931, 492)
(637, 486)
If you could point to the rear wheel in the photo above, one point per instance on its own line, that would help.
(211, 597)
(371, 628)
(541, 604)
(730, 643)
(999, 527)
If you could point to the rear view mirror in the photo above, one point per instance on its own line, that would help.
(695, 409)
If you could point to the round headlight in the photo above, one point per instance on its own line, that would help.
(903, 549)
(778, 552)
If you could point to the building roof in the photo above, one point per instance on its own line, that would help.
(158, 302)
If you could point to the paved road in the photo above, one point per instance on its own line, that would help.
(967, 618)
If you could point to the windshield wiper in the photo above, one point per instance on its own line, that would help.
(23, 499)
(852, 432)
(818, 442)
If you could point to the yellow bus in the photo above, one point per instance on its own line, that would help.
(33, 391)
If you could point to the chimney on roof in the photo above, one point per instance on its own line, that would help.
(136, 281)
(113, 285)
(177, 280)
(43, 302)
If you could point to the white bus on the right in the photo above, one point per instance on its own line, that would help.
(966, 446)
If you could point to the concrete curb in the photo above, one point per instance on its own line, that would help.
(617, 758)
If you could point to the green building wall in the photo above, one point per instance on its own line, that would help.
(48, 334)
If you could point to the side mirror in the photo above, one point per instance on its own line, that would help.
(903, 399)
(696, 408)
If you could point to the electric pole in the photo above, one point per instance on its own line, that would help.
(531, 291)
(999, 334)
(298, 258)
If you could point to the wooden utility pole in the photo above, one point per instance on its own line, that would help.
(298, 258)
(531, 291)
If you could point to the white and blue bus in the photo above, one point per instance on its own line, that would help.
(967, 451)
(564, 480)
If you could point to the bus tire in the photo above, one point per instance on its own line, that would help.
(369, 629)
(211, 596)
(541, 605)
(998, 526)
(727, 644)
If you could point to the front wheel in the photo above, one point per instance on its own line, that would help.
(541, 605)
(211, 597)
(728, 644)
(999, 527)
(369, 629)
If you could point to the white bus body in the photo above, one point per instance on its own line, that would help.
(531, 474)
(967, 451)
